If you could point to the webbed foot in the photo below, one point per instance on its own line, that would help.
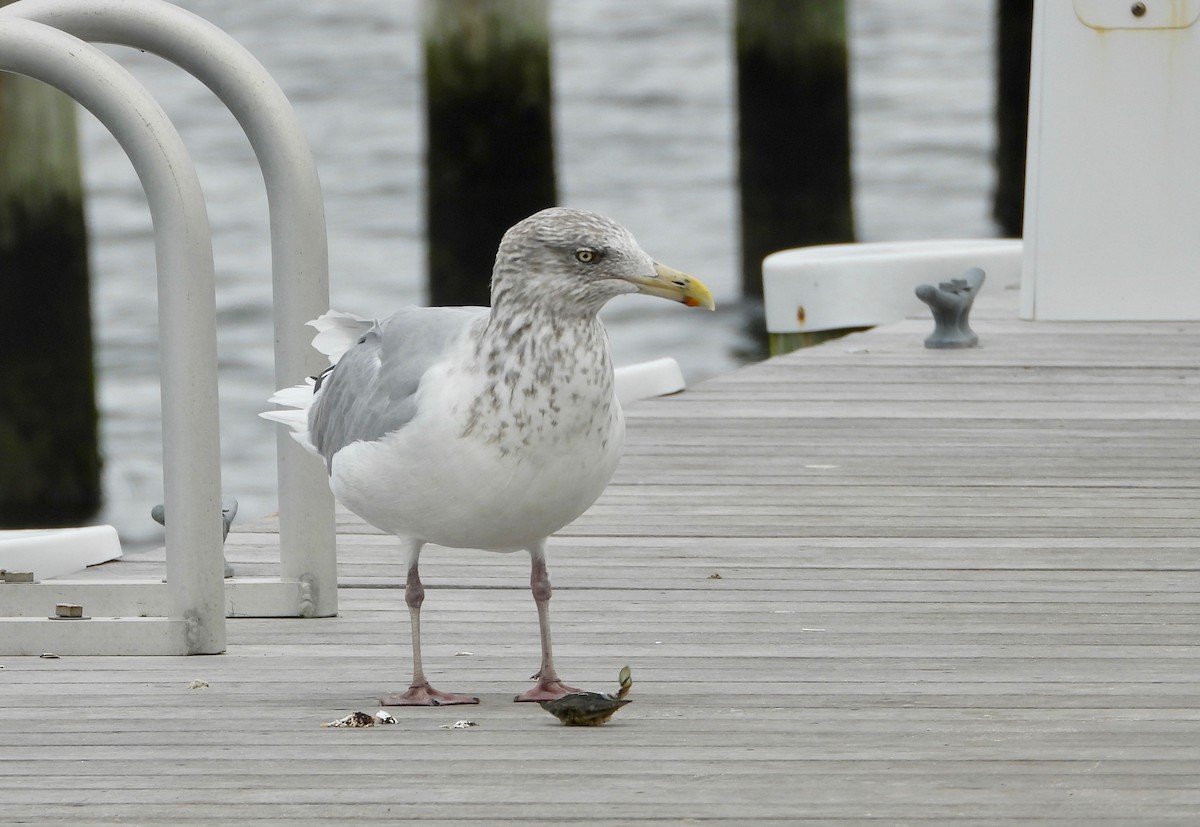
(545, 690)
(426, 695)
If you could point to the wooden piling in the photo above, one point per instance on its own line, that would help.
(794, 128)
(49, 458)
(490, 151)
(1014, 33)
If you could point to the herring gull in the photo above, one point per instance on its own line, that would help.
(486, 428)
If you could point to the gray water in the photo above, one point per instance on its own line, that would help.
(645, 129)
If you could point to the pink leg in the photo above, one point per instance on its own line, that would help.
(548, 687)
(420, 693)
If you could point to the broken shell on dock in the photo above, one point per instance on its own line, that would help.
(458, 725)
(357, 720)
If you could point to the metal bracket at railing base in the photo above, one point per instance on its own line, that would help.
(96, 636)
(148, 599)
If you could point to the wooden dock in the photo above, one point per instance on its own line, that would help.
(865, 583)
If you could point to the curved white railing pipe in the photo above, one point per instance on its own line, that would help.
(299, 252)
(186, 308)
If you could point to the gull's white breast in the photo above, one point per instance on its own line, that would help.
(495, 460)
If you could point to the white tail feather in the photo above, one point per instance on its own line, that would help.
(297, 396)
(337, 332)
(296, 400)
(296, 420)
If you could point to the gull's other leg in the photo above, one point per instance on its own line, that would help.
(548, 687)
(419, 693)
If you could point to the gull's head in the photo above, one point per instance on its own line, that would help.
(576, 261)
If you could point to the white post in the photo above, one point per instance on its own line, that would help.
(299, 254)
(187, 310)
(1113, 183)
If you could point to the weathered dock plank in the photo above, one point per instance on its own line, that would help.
(866, 583)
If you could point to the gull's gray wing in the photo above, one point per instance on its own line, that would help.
(371, 391)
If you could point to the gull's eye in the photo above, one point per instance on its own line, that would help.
(587, 256)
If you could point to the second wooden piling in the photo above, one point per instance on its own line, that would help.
(490, 142)
(794, 128)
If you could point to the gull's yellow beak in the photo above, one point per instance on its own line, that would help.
(668, 283)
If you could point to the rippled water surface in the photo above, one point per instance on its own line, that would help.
(645, 130)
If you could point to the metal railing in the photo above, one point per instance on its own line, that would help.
(47, 40)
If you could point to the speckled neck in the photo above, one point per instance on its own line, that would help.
(531, 363)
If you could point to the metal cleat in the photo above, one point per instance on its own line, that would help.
(229, 507)
(951, 303)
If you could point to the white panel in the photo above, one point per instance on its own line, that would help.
(1113, 188)
(1126, 14)
(836, 286)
